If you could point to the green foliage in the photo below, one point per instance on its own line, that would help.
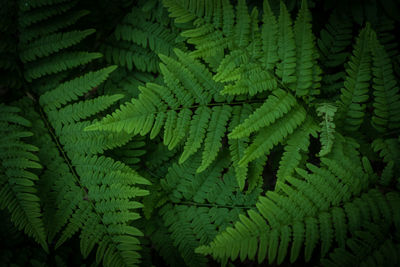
(312, 208)
(327, 112)
(368, 247)
(212, 132)
(18, 193)
(354, 94)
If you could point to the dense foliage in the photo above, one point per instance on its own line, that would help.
(199, 133)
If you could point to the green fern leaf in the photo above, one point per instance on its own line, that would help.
(269, 37)
(197, 133)
(58, 63)
(43, 13)
(355, 92)
(334, 39)
(212, 143)
(182, 125)
(285, 239)
(85, 109)
(370, 246)
(286, 47)
(304, 51)
(238, 146)
(18, 191)
(204, 203)
(311, 212)
(298, 239)
(327, 112)
(55, 24)
(242, 24)
(386, 92)
(297, 144)
(73, 89)
(50, 44)
(276, 106)
(272, 135)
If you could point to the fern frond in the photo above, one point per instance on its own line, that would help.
(197, 132)
(389, 149)
(205, 203)
(327, 112)
(44, 50)
(368, 247)
(252, 80)
(242, 26)
(126, 83)
(85, 109)
(52, 25)
(130, 56)
(305, 47)
(333, 42)
(276, 106)
(189, 79)
(58, 63)
(201, 73)
(162, 241)
(184, 11)
(286, 47)
(212, 26)
(146, 33)
(105, 222)
(334, 39)
(270, 136)
(187, 83)
(384, 28)
(241, 68)
(238, 146)
(296, 146)
(141, 36)
(130, 153)
(215, 132)
(43, 13)
(307, 211)
(355, 91)
(51, 44)
(269, 37)
(99, 195)
(18, 180)
(386, 92)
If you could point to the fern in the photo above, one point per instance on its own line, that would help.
(295, 215)
(296, 146)
(367, 248)
(211, 132)
(305, 52)
(205, 204)
(18, 161)
(140, 37)
(386, 93)
(161, 239)
(210, 34)
(334, 39)
(152, 112)
(355, 90)
(190, 73)
(51, 44)
(45, 51)
(93, 207)
(286, 47)
(327, 112)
